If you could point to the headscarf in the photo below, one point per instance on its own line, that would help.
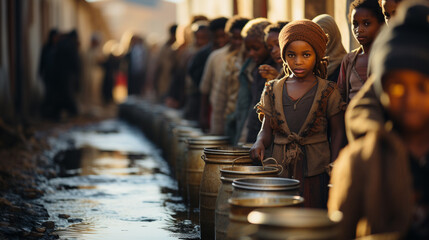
(310, 32)
(335, 50)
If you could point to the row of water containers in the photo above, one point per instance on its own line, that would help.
(236, 198)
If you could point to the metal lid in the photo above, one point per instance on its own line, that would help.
(227, 150)
(208, 140)
(268, 183)
(294, 217)
(259, 202)
(248, 170)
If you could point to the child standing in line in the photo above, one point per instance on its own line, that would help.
(380, 181)
(366, 18)
(298, 109)
(272, 41)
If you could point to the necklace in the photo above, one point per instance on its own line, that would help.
(299, 99)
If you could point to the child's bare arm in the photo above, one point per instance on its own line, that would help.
(337, 133)
(262, 141)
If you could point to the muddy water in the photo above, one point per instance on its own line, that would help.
(115, 185)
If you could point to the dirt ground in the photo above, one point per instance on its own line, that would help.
(26, 164)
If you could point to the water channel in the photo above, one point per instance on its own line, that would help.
(114, 184)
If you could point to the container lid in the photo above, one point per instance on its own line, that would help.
(227, 150)
(206, 140)
(267, 182)
(294, 217)
(248, 170)
(260, 202)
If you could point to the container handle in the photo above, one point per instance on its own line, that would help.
(203, 157)
(272, 165)
(237, 158)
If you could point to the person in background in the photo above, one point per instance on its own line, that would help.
(389, 8)
(196, 35)
(272, 40)
(380, 182)
(198, 66)
(46, 71)
(213, 71)
(164, 66)
(366, 106)
(220, 66)
(67, 73)
(300, 111)
(251, 82)
(137, 61)
(90, 92)
(367, 19)
(335, 50)
(218, 39)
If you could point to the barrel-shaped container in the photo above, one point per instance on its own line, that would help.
(178, 136)
(216, 159)
(181, 136)
(228, 175)
(240, 208)
(295, 223)
(195, 165)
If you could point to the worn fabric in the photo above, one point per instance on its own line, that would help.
(225, 92)
(312, 138)
(302, 109)
(256, 88)
(335, 49)
(213, 71)
(164, 70)
(235, 121)
(364, 107)
(350, 79)
(193, 79)
(371, 180)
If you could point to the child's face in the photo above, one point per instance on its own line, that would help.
(273, 47)
(408, 93)
(365, 26)
(301, 58)
(389, 9)
(202, 37)
(256, 49)
(236, 39)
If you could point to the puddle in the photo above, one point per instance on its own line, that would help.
(115, 185)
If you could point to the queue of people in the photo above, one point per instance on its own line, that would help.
(292, 91)
(356, 121)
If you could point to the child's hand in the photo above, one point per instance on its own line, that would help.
(257, 151)
(268, 72)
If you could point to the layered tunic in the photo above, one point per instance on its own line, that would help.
(311, 141)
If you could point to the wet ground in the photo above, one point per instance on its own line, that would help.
(114, 184)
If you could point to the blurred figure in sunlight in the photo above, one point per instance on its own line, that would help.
(137, 60)
(90, 94)
(195, 36)
(164, 65)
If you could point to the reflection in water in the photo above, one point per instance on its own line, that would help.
(114, 185)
